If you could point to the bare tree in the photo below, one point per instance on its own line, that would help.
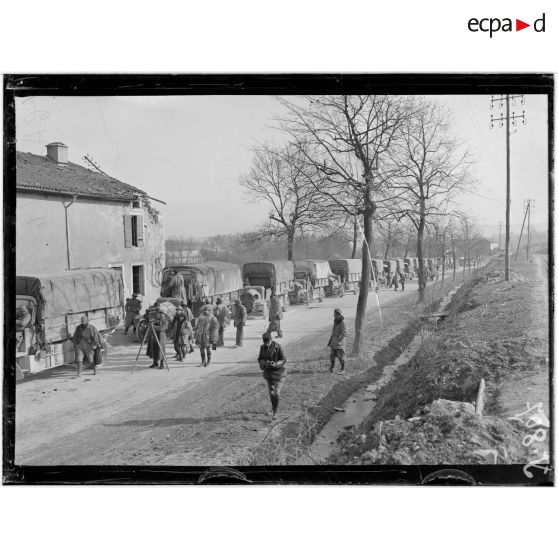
(284, 179)
(468, 232)
(433, 169)
(444, 232)
(346, 138)
(392, 234)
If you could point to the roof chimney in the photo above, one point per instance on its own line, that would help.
(57, 152)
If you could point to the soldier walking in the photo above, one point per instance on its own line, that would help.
(275, 315)
(338, 341)
(401, 280)
(87, 344)
(207, 334)
(272, 363)
(239, 320)
(183, 334)
(222, 316)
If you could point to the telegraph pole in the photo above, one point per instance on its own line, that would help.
(500, 239)
(529, 207)
(501, 120)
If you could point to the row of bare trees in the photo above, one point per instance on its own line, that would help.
(375, 165)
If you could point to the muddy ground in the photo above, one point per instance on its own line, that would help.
(198, 416)
(495, 330)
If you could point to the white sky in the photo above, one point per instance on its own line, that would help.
(190, 150)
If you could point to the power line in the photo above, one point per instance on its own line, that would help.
(501, 120)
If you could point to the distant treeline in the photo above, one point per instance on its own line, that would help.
(243, 247)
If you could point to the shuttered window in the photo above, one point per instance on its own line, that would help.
(133, 231)
(139, 232)
(127, 231)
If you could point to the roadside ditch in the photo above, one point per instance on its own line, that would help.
(299, 440)
(428, 413)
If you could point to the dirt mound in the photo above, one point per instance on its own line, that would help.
(444, 432)
(484, 336)
(497, 275)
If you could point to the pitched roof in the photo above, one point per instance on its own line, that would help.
(38, 173)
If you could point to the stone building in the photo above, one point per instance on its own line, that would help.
(70, 217)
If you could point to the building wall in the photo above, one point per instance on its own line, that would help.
(96, 231)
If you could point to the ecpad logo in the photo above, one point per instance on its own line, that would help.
(494, 24)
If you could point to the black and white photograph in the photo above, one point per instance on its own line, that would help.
(354, 279)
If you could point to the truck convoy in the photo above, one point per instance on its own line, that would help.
(55, 304)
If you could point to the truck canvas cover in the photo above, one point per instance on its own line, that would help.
(348, 266)
(73, 292)
(269, 273)
(318, 268)
(209, 278)
(391, 265)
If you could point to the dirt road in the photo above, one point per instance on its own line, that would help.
(188, 416)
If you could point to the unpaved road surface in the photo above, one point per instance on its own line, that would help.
(188, 416)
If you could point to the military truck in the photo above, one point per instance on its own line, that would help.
(350, 272)
(316, 273)
(55, 304)
(276, 275)
(210, 280)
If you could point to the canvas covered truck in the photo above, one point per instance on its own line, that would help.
(350, 272)
(202, 280)
(276, 275)
(55, 304)
(390, 266)
(409, 268)
(316, 274)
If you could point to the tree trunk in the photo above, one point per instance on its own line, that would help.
(443, 262)
(290, 244)
(464, 253)
(421, 271)
(365, 280)
(355, 236)
(453, 256)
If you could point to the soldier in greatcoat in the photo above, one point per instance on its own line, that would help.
(275, 315)
(338, 341)
(133, 309)
(207, 334)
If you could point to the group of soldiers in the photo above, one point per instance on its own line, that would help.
(395, 279)
(207, 332)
